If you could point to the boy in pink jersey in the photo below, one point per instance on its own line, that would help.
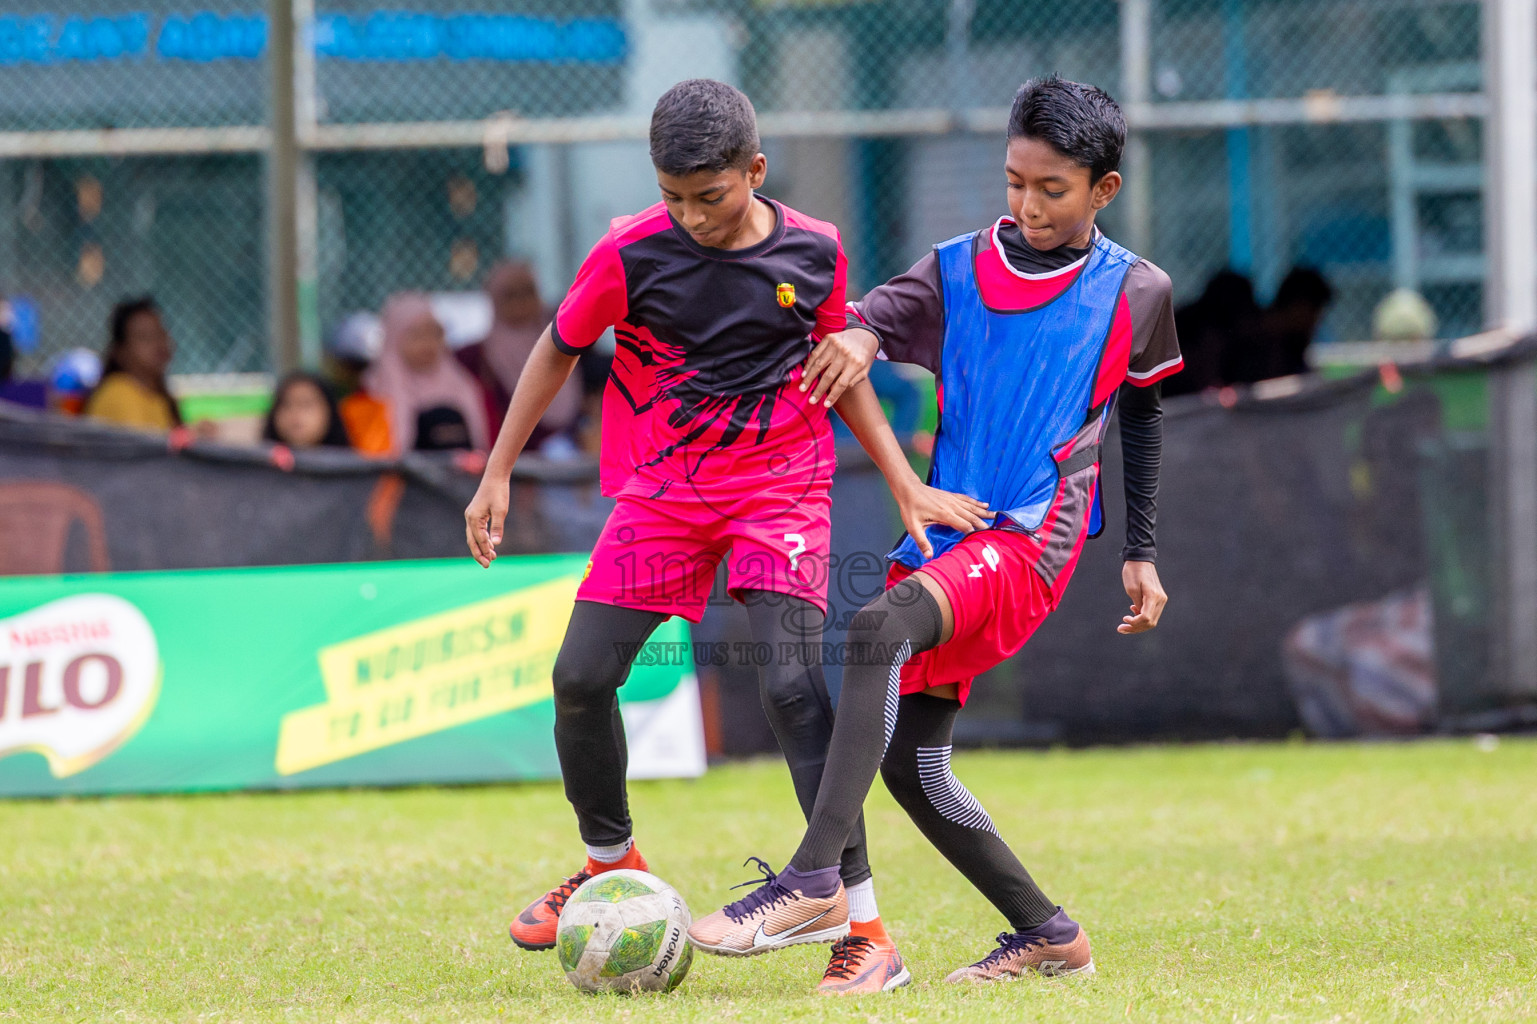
(711, 447)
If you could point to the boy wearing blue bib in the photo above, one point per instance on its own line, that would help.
(1035, 328)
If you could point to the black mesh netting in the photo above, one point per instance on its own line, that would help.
(1329, 554)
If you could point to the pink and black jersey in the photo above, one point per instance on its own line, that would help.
(710, 343)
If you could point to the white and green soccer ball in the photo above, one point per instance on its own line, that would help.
(624, 931)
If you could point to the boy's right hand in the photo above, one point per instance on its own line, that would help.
(922, 506)
(837, 363)
(483, 519)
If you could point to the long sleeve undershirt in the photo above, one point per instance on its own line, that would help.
(1141, 414)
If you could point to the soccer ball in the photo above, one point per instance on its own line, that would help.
(624, 931)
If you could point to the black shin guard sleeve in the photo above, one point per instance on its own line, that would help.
(594, 661)
(917, 771)
(900, 623)
(794, 694)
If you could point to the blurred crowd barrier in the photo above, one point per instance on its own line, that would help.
(1336, 554)
(436, 137)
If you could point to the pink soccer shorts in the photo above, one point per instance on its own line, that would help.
(661, 555)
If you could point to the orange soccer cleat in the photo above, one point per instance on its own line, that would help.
(535, 927)
(866, 961)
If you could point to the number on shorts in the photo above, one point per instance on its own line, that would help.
(797, 548)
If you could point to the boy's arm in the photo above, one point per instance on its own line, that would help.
(904, 318)
(543, 376)
(919, 504)
(597, 300)
(1141, 415)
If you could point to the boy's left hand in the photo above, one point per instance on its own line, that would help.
(1147, 597)
(838, 362)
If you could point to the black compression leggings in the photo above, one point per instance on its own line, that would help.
(594, 661)
(917, 771)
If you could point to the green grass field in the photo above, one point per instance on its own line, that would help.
(1219, 883)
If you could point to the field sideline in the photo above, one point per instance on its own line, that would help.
(1219, 883)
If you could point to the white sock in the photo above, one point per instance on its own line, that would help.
(862, 901)
(610, 854)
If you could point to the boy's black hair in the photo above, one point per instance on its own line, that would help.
(703, 125)
(1082, 122)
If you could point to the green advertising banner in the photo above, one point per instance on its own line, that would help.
(383, 673)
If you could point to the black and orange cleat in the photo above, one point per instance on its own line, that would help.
(864, 961)
(535, 926)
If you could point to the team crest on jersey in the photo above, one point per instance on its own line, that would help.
(785, 293)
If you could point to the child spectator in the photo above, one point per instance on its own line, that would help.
(434, 403)
(133, 391)
(352, 350)
(304, 414)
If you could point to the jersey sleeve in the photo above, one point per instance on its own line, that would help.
(907, 314)
(597, 299)
(830, 314)
(1154, 343)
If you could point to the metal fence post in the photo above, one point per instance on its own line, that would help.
(306, 187)
(961, 90)
(282, 190)
(1510, 45)
(1137, 163)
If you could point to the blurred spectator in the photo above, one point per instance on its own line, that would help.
(1279, 348)
(353, 348)
(434, 404)
(1294, 317)
(72, 377)
(304, 414)
(133, 391)
(1222, 320)
(18, 392)
(1403, 315)
(518, 317)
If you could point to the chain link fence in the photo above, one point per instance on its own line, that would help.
(1339, 134)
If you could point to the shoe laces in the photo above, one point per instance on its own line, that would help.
(847, 954)
(769, 891)
(562, 892)
(1010, 943)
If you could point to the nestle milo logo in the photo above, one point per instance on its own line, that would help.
(78, 676)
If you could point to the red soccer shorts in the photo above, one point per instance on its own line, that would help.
(999, 601)
(661, 555)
